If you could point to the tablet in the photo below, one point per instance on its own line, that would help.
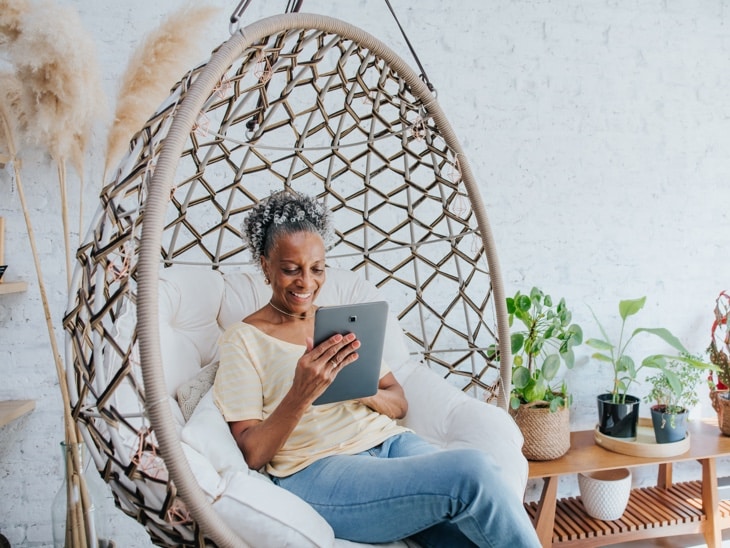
(367, 321)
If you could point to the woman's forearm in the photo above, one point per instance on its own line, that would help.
(260, 442)
(389, 400)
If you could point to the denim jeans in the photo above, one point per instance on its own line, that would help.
(406, 487)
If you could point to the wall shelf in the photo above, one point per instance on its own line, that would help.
(17, 286)
(14, 409)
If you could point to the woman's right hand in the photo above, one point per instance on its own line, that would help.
(319, 365)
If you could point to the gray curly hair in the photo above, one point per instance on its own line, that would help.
(284, 212)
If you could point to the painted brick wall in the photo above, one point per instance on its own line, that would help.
(598, 133)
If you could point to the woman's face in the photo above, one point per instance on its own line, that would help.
(295, 267)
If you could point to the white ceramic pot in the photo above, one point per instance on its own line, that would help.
(605, 494)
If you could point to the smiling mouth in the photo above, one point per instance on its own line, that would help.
(301, 295)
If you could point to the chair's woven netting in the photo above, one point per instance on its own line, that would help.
(320, 113)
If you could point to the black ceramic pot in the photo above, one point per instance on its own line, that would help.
(618, 420)
(668, 428)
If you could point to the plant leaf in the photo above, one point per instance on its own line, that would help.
(521, 377)
(576, 334)
(665, 335)
(568, 357)
(599, 344)
(625, 363)
(517, 340)
(523, 303)
(550, 366)
(630, 307)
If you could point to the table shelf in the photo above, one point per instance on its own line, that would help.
(652, 512)
(667, 509)
(14, 409)
(18, 286)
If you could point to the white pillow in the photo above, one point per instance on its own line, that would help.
(208, 433)
(190, 298)
(192, 391)
(264, 514)
(261, 513)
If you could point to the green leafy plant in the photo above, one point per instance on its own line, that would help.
(547, 341)
(675, 386)
(625, 369)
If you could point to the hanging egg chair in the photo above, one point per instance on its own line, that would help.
(294, 101)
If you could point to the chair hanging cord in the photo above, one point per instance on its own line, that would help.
(423, 75)
(238, 12)
(291, 7)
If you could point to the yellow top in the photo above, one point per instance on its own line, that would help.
(255, 373)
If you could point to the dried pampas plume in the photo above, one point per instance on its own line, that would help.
(54, 58)
(154, 67)
(13, 118)
(11, 13)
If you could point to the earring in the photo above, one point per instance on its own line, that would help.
(266, 280)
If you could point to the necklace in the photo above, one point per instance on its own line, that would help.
(298, 316)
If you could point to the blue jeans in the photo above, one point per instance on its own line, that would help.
(406, 487)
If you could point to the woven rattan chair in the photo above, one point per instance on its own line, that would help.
(293, 101)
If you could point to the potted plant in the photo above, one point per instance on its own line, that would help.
(719, 351)
(674, 393)
(545, 340)
(618, 411)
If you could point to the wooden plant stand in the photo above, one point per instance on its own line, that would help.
(665, 510)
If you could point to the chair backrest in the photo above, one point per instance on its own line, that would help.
(294, 101)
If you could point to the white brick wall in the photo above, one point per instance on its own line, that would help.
(597, 130)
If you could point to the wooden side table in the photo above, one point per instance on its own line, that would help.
(665, 510)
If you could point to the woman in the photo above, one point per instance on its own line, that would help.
(371, 479)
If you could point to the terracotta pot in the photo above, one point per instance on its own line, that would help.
(547, 435)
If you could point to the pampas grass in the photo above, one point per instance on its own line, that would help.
(54, 58)
(11, 14)
(14, 121)
(154, 67)
(52, 99)
(14, 118)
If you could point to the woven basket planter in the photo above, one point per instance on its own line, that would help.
(722, 406)
(547, 435)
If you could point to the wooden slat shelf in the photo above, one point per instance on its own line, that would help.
(652, 512)
(665, 510)
(14, 409)
(13, 287)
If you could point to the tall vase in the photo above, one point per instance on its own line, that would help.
(80, 507)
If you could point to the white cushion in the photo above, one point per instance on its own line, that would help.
(208, 433)
(190, 299)
(190, 392)
(262, 513)
(445, 416)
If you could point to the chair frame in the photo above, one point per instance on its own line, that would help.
(153, 184)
